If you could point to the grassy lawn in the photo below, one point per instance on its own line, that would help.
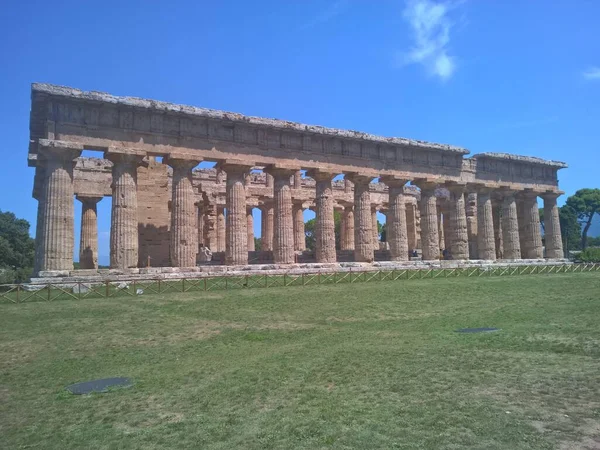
(369, 365)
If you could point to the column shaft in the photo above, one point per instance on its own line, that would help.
(220, 229)
(510, 228)
(348, 235)
(299, 234)
(532, 238)
(250, 225)
(210, 226)
(553, 237)
(485, 226)
(184, 218)
(375, 229)
(411, 226)
(283, 233)
(363, 220)
(441, 235)
(267, 228)
(201, 222)
(429, 223)
(458, 230)
(88, 242)
(124, 244)
(58, 234)
(236, 241)
(471, 210)
(324, 223)
(396, 231)
(497, 213)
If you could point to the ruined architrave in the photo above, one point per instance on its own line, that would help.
(479, 207)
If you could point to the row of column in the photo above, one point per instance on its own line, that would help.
(283, 224)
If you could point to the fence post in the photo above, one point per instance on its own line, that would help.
(48, 287)
(18, 288)
(284, 280)
(183, 285)
(204, 284)
(106, 289)
(79, 290)
(266, 281)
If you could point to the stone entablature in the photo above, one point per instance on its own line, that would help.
(484, 207)
(105, 122)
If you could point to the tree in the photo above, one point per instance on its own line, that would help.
(541, 211)
(585, 203)
(570, 228)
(16, 248)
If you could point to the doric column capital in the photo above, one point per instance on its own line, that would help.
(58, 150)
(88, 199)
(280, 171)
(321, 175)
(551, 196)
(235, 166)
(394, 182)
(360, 178)
(456, 188)
(426, 184)
(124, 158)
(182, 163)
(527, 194)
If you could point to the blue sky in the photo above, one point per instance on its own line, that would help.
(514, 76)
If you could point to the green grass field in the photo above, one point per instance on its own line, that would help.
(369, 365)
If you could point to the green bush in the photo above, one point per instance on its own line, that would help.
(590, 255)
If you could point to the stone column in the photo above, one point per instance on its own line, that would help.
(210, 226)
(250, 226)
(411, 226)
(532, 235)
(266, 232)
(375, 229)
(446, 226)
(363, 220)
(396, 231)
(283, 232)
(124, 244)
(236, 227)
(497, 213)
(184, 231)
(429, 222)
(201, 221)
(298, 179)
(457, 217)
(88, 241)
(553, 237)
(324, 220)
(442, 240)
(221, 228)
(347, 237)
(57, 239)
(510, 227)
(471, 210)
(486, 244)
(299, 234)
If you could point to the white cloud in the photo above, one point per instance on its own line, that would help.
(430, 26)
(592, 73)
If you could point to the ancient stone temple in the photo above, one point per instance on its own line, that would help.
(437, 201)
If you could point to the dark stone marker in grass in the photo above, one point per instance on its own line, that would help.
(101, 385)
(477, 330)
